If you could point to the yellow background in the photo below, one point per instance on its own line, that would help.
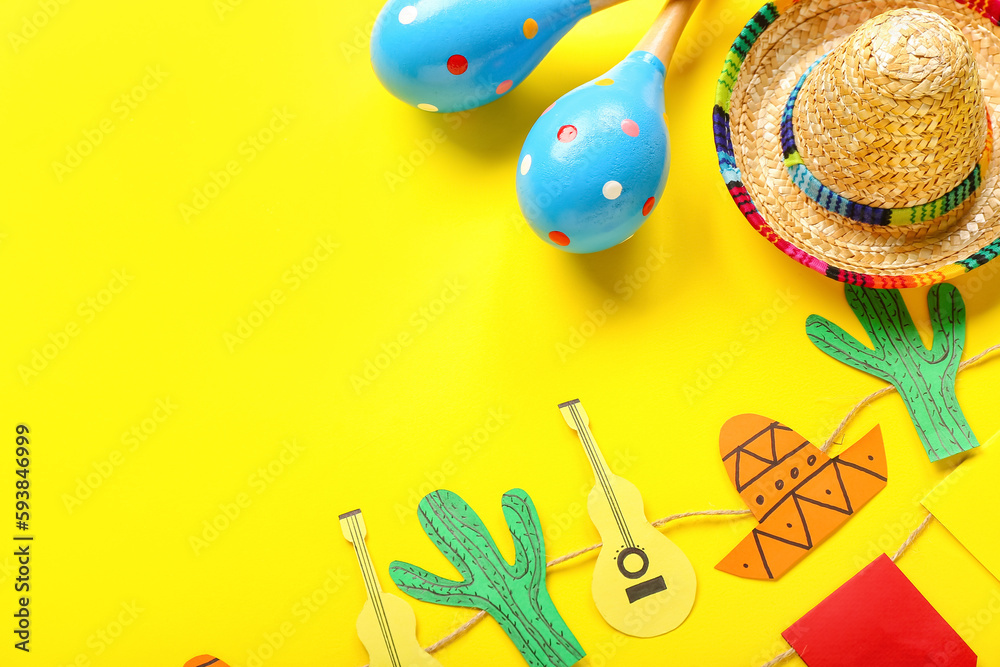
(321, 179)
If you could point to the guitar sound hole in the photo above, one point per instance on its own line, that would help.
(624, 554)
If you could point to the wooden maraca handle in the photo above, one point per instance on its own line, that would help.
(662, 37)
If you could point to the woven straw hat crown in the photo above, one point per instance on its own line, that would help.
(894, 116)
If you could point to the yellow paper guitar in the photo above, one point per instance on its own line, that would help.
(644, 585)
(386, 625)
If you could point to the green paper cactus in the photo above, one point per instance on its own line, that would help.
(924, 377)
(514, 595)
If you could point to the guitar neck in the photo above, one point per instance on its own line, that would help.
(353, 525)
(576, 418)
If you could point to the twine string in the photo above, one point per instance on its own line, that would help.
(890, 390)
(912, 536)
(469, 624)
(781, 657)
(659, 522)
(455, 634)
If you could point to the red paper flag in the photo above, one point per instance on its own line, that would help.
(877, 618)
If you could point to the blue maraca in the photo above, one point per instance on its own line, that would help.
(595, 163)
(451, 55)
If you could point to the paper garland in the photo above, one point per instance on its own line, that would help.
(877, 618)
(924, 377)
(514, 595)
(799, 495)
(952, 649)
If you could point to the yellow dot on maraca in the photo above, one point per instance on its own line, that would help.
(605, 82)
(427, 107)
(530, 28)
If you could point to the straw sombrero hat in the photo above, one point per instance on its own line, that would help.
(857, 135)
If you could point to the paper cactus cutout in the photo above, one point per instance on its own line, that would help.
(925, 378)
(514, 595)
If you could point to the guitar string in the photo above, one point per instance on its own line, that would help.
(369, 576)
(381, 614)
(582, 431)
(480, 615)
(588, 443)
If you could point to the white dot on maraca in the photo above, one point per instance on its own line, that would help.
(525, 164)
(407, 14)
(612, 189)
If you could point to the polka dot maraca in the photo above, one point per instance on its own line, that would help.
(594, 165)
(452, 55)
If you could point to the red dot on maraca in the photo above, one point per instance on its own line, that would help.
(566, 133)
(648, 206)
(457, 64)
(559, 238)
